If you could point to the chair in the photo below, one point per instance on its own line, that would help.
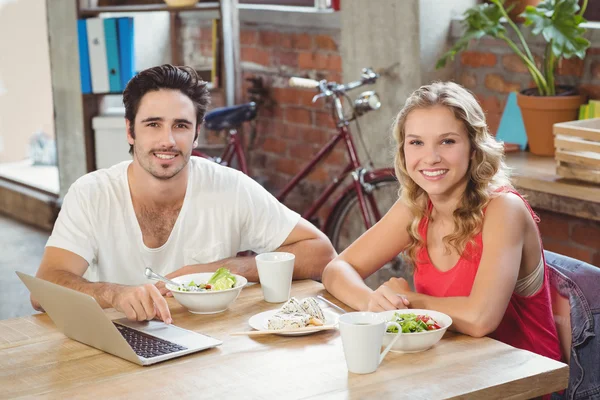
(575, 294)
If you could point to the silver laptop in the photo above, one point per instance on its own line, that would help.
(81, 318)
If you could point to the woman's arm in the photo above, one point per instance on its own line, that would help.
(343, 277)
(506, 221)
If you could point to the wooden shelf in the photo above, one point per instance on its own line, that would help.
(94, 11)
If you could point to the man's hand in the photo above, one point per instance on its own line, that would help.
(35, 304)
(188, 269)
(141, 303)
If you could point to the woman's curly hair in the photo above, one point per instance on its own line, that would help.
(488, 174)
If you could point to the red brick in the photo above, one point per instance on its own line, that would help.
(593, 91)
(596, 259)
(554, 226)
(248, 37)
(513, 63)
(285, 58)
(288, 166)
(302, 151)
(596, 69)
(337, 158)
(293, 96)
(255, 55)
(325, 42)
(477, 59)
(274, 145)
(285, 40)
(297, 115)
(319, 175)
(268, 38)
(468, 80)
(497, 83)
(569, 250)
(324, 120)
(308, 60)
(572, 67)
(301, 41)
(593, 51)
(314, 136)
(587, 235)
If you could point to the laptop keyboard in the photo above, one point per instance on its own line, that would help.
(147, 346)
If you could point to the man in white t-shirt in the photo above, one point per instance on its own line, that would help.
(167, 210)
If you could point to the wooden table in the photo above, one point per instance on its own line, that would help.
(37, 360)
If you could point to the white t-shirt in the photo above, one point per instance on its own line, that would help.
(224, 212)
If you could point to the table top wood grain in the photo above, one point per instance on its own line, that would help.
(37, 360)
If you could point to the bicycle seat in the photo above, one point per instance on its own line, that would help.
(229, 117)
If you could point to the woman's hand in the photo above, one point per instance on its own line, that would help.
(385, 298)
(399, 285)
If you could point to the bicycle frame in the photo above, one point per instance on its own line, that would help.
(360, 175)
(354, 166)
(234, 147)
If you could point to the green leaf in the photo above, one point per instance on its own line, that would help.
(479, 21)
(559, 23)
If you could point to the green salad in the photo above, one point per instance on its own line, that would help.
(222, 279)
(411, 323)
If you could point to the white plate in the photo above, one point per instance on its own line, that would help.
(260, 322)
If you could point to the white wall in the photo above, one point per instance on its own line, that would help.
(435, 18)
(25, 86)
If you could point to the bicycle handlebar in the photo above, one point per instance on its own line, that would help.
(327, 89)
(303, 83)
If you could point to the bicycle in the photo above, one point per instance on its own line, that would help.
(363, 201)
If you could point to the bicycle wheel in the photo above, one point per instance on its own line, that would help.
(347, 225)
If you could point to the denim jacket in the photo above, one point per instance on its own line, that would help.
(580, 283)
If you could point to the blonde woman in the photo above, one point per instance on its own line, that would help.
(473, 240)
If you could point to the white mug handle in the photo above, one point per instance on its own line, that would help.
(389, 346)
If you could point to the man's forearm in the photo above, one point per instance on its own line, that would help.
(311, 258)
(312, 255)
(102, 292)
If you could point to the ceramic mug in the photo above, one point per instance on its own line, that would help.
(362, 338)
(275, 271)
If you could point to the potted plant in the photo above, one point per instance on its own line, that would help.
(559, 23)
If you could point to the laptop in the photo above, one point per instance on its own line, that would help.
(81, 318)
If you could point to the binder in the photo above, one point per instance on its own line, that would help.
(97, 50)
(126, 49)
(84, 57)
(112, 54)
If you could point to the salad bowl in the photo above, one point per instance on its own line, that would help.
(419, 332)
(207, 301)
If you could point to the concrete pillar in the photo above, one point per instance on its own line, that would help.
(384, 35)
(66, 91)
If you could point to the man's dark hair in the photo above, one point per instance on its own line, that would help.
(185, 79)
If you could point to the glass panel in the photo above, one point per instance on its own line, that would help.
(27, 137)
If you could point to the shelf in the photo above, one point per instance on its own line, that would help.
(94, 11)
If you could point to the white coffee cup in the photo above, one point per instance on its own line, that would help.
(362, 337)
(275, 272)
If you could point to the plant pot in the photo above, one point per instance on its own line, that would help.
(519, 8)
(540, 113)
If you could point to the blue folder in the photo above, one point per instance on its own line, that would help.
(84, 57)
(126, 49)
(112, 55)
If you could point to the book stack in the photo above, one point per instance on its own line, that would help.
(590, 110)
(106, 54)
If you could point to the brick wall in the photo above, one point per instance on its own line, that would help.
(291, 129)
(491, 70)
(574, 237)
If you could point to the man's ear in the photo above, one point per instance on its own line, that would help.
(130, 139)
(195, 143)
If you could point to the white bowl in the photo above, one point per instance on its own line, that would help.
(209, 302)
(417, 341)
